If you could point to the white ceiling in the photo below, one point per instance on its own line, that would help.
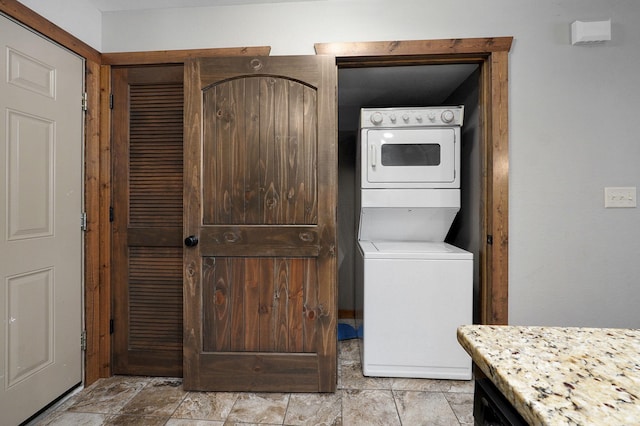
(117, 5)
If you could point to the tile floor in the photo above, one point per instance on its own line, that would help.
(359, 401)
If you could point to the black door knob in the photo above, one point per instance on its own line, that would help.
(191, 241)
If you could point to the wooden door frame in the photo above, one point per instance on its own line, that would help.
(492, 55)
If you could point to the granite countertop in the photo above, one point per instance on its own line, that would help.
(561, 375)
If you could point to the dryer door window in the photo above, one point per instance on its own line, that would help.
(410, 157)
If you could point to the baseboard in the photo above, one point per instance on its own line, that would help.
(346, 314)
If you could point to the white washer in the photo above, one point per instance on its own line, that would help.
(415, 297)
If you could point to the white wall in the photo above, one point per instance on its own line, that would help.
(573, 114)
(77, 17)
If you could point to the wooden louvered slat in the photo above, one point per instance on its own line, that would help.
(155, 298)
(155, 159)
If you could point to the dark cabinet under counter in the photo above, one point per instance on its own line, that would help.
(491, 408)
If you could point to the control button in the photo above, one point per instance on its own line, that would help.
(431, 116)
(447, 116)
(405, 117)
(393, 118)
(376, 118)
(419, 118)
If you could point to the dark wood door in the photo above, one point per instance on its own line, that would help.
(260, 304)
(147, 220)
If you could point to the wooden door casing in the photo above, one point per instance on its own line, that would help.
(147, 220)
(492, 54)
(260, 288)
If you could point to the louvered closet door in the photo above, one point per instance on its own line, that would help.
(147, 220)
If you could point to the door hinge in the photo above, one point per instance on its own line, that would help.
(83, 221)
(111, 326)
(110, 214)
(110, 100)
(85, 101)
(490, 239)
(83, 340)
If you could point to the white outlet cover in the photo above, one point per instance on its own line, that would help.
(620, 197)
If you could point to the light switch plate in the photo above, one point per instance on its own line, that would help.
(620, 197)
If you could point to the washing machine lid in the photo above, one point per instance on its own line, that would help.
(413, 250)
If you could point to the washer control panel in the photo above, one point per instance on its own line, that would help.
(411, 117)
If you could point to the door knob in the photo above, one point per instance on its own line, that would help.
(191, 241)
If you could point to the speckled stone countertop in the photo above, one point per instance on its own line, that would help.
(561, 376)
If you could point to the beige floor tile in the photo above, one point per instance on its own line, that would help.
(108, 395)
(160, 398)
(206, 406)
(349, 350)
(259, 408)
(189, 422)
(424, 385)
(369, 407)
(65, 418)
(359, 401)
(424, 408)
(462, 386)
(351, 377)
(462, 405)
(314, 409)
(126, 420)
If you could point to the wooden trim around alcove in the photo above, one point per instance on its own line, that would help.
(179, 56)
(492, 54)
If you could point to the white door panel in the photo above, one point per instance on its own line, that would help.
(41, 161)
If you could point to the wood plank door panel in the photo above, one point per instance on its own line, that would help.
(147, 220)
(260, 195)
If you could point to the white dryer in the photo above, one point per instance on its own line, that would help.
(412, 289)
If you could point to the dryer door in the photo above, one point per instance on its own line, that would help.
(410, 158)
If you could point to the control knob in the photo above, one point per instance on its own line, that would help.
(447, 116)
(431, 116)
(376, 118)
(405, 117)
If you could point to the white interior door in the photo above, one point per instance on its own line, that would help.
(41, 161)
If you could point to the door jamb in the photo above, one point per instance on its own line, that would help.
(492, 56)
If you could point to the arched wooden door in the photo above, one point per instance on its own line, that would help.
(260, 170)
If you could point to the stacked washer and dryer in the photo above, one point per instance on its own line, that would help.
(412, 289)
